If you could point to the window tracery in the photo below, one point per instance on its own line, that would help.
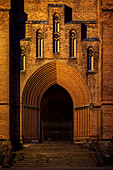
(73, 44)
(56, 33)
(90, 57)
(39, 44)
(22, 59)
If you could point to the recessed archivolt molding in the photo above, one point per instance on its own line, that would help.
(73, 76)
(50, 74)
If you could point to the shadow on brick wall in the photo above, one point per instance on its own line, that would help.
(17, 32)
(83, 31)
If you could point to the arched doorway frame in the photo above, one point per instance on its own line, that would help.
(58, 73)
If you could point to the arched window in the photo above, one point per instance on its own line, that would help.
(39, 39)
(90, 55)
(56, 35)
(22, 58)
(73, 44)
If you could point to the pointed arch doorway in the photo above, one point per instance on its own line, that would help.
(56, 115)
(34, 91)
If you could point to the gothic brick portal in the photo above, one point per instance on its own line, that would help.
(46, 76)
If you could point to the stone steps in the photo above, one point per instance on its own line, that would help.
(53, 155)
(55, 165)
(57, 159)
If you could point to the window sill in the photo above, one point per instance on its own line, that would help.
(73, 57)
(56, 53)
(40, 57)
(22, 71)
(90, 71)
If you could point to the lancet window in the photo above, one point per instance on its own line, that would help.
(39, 40)
(73, 44)
(56, 33)
(90, 58)
(22, 58)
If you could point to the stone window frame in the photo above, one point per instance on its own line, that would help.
(22, 58)
(39, 44)
(56, 33)
(73, 43)
(90, 59)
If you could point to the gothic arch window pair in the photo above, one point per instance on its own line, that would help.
(39, 43)
(56, 33)
(73, 43)
(90, 59)
(56, 37)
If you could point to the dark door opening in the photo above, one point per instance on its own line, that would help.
(56, 115)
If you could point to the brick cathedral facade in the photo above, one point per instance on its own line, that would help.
(56, 60)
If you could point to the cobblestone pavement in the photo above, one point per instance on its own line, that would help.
(53, 155)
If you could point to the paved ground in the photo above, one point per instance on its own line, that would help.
(53, 155)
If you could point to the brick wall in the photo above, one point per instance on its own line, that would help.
(5, 4)
(107, 69)
(82, 9)
(4, 69)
